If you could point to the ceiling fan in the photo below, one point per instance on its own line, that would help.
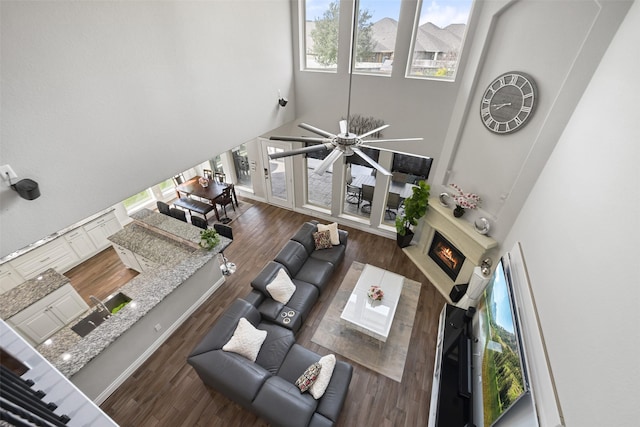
(343, 143)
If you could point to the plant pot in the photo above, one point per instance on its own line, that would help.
(404, 241)
(458, 211)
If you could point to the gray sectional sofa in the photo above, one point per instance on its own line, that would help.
(267, 386)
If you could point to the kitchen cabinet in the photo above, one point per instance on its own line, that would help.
(9, 278)
(56, 254)
(81, 243)
(45, 317)
(101, 228)
(128, 258)
(146, 264)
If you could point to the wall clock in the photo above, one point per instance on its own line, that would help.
(509, 102)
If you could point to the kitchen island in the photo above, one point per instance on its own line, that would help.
(162, 298)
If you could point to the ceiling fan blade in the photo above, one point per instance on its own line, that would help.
(327, 162)
(343, 127)
(316, 130)
(299, 139)
(371, 132)
(311, 149)
(371, 161)
(369, 141)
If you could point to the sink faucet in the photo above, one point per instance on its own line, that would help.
(99, 305)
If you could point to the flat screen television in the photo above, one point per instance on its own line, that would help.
(504, 375)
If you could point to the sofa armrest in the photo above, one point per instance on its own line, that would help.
(344, 237)
(330, 404)
(282, 404)
(255, 297)
(231, 374)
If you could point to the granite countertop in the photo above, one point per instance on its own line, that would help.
(168, 226)
(69, 353)
(25, 294)
(152, 246)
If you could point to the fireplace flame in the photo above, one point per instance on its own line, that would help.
(447, 255)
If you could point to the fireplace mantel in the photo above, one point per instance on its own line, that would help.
(473, 245)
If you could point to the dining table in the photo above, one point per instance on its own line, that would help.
(211, 192)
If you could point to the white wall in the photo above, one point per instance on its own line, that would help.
(579, 229)
(103, 99)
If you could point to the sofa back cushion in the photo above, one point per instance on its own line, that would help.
(304, 236)
(292, 256)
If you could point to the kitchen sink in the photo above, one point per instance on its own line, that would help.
(114, 303)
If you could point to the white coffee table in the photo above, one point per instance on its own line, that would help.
(373, 318)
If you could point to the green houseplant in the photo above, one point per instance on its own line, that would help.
(209, 238)
(415, 207)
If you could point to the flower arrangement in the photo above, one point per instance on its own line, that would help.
(203, 181)
(375, 293)
(465, 200)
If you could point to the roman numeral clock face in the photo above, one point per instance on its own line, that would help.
(508, 103)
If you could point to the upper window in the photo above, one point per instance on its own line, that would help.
(376, 37)
(438, 37)
(321, 19)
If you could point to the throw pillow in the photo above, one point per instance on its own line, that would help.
(309, 377)
(281, 287)
(318, 388)
(333, 229)
(322, 240)
(246, 340)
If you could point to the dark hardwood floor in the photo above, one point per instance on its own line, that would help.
(165, 390)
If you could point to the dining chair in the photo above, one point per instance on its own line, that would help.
(220, 177)
(399, 177)
(178, 214)
(367, 196)
(163, 208)
(223, 200)
(199, 222)
(207, 173)
(393, 203)
(354, 194)
(227, 267)
(178, 179)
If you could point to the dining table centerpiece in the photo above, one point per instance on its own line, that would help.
(203, 181)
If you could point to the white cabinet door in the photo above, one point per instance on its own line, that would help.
(128, 258)
(45, 317)
(81, 243)
(145, 264)
(101, 228)
(9, 278)
(56, 254)
(39, 326)
(68, 306)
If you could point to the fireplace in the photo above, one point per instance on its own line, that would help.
(447, 256)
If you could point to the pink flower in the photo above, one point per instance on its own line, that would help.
(375, 293)
(465, 200)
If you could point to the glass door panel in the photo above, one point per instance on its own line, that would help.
(278, 174)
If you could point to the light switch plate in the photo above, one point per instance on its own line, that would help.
(4, 169)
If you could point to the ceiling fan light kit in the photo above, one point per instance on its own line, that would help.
(344, 143)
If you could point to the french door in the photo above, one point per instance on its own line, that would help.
(278, 173)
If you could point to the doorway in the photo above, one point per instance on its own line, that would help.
(278, 173)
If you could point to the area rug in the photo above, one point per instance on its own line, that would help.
(387, 358)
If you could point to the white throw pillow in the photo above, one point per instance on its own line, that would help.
(281, 287)
(333, 230)
(318, 388)
(246, 340)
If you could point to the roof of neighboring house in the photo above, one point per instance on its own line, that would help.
(384, 35)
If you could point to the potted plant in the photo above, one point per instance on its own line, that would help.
(415, 207)
(209, 238)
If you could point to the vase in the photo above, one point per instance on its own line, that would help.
(458, 211)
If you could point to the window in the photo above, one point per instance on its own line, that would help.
(320, 29)
(438, 38)
(241, 164)
(166, 186)
(318, 186)
(376, 37)
(138, 200)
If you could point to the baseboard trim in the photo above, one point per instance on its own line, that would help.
(156, 344)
